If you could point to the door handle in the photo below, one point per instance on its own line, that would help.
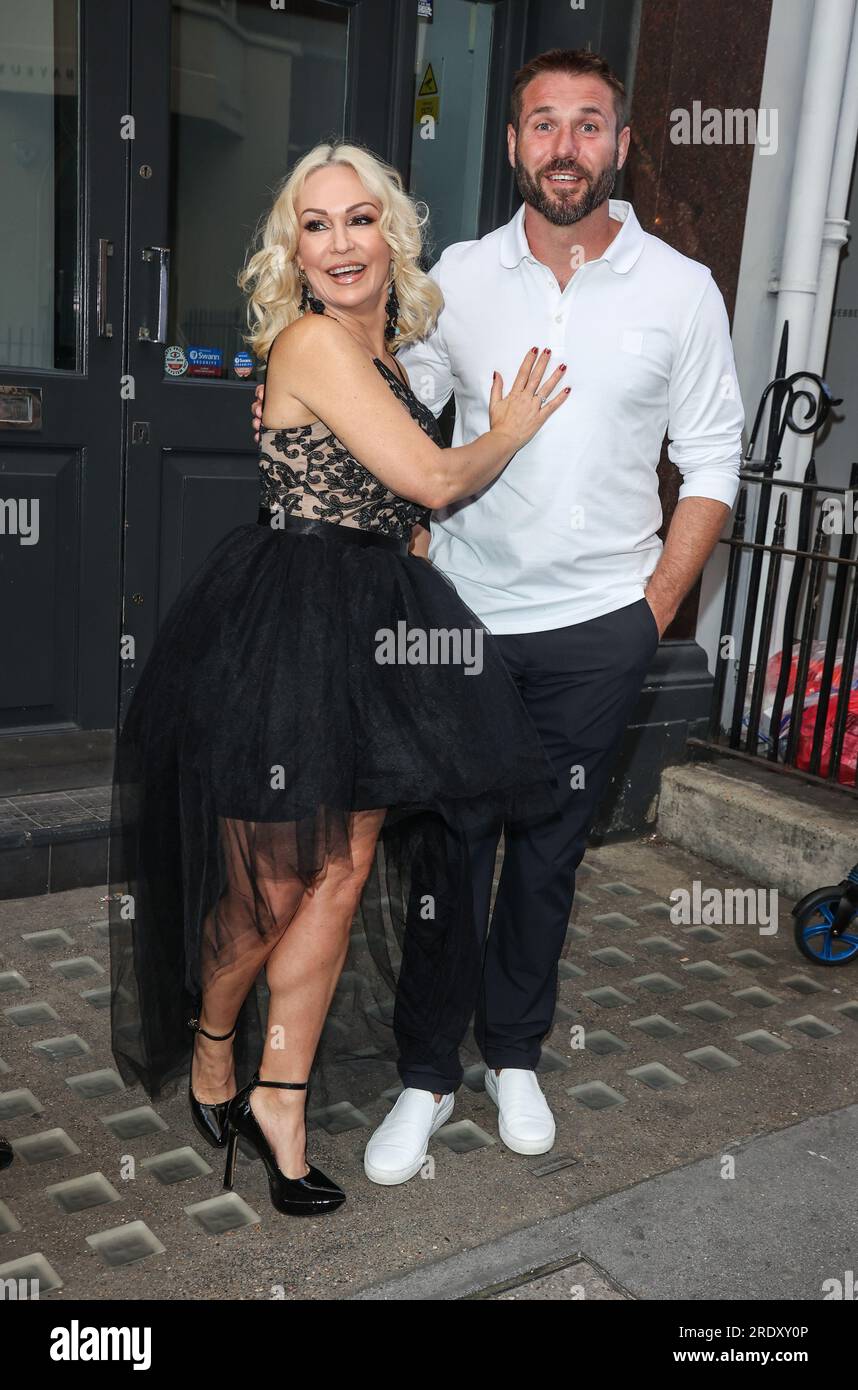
(105, 249)
(160, 255)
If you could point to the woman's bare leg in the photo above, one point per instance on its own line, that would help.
(302, 973)
(226, 986)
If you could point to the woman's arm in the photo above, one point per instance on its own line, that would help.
(334, 378)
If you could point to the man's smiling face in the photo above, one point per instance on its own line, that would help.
(567, 151)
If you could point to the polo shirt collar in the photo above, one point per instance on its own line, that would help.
(621, 255)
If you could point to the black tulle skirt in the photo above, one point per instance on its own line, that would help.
(303, 675)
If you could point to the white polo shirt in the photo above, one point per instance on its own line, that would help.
(568, 531)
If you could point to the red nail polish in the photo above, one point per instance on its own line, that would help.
(566, 390)
(533, 349)
(563, 366)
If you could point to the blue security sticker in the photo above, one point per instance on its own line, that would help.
(175, 361)
(242, 364)
(204, 361)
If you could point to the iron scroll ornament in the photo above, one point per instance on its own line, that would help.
(788, 397)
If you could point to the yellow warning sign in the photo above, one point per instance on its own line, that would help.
(428, 87)
(427, 107)
(427, 103)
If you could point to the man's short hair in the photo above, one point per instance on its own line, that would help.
(575, 61)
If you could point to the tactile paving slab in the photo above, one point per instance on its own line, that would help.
(670, 1040)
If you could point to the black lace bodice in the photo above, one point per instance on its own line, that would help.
(307, 471)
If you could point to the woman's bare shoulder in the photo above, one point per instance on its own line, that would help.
(313, 335)
(315, 352)
(312, 347)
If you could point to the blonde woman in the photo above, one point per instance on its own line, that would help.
(320, 714)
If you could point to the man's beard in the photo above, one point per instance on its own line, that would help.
(560, 211)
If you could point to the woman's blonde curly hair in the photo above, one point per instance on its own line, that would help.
(270, 276)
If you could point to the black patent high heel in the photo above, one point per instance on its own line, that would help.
(209, 1117)
(308, 1196)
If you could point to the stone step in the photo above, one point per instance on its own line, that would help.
(770, 827)
(53, 841)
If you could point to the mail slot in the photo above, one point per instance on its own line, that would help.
(20, 407)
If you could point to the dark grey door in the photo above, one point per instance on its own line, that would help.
(64, 157)
(142, 141)
(225, 99)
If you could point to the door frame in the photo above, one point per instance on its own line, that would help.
(76, 447)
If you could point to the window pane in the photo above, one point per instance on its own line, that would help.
(452, 71)
(253, 89)
(39, 76)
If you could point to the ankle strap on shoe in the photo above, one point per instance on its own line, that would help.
(215, 1037)
(284, 1085)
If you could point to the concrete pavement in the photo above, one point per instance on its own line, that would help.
(675, 1048)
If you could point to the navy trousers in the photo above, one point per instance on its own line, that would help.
(580, 685)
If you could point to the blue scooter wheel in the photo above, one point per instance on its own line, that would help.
(813, 935)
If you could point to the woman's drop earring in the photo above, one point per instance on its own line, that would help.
(391, 329)
(308, 300)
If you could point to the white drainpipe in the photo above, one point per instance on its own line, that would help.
(836, 224)
(812, 240)
(828, 51)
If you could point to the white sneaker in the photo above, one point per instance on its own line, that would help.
(397, 1149)
(525, 1122)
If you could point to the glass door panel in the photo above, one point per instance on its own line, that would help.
(252, 89)
(451, 83)
(39, 173)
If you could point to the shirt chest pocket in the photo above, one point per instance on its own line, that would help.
(631, 364)
(632, 341)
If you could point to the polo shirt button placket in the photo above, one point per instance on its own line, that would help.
(561, 314)
(553, 339)
(557, 341)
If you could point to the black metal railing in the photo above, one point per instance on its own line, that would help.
(796, 710)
